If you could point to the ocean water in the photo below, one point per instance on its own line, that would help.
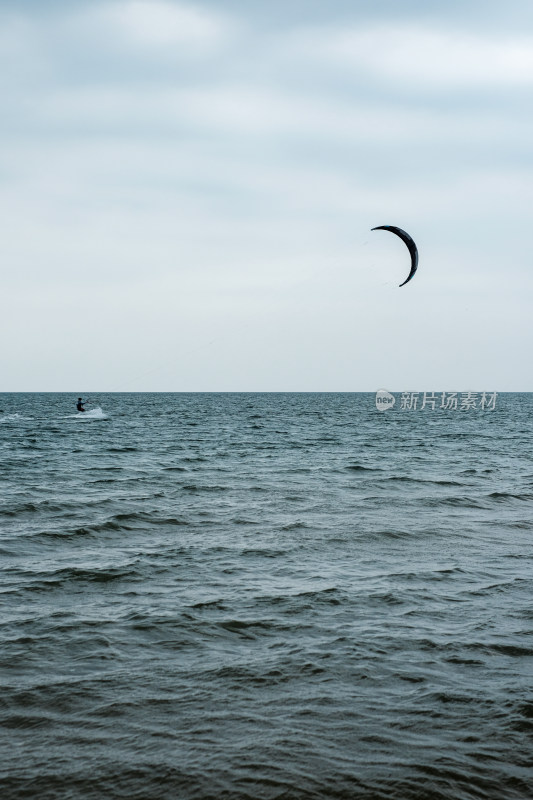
(265, 596)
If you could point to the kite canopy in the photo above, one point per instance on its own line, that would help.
(410, 244)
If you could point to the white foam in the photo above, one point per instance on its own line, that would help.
(12, 417)
(93, 413)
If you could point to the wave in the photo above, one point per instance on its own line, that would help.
(138, 521)
(124, 449)
(266, 552)
(406, 479)
(503, 496)
(291, 526)
(512, 650)
(193, 487)
(30, 508)
(50, 580)
(459, 502)
(360, 468)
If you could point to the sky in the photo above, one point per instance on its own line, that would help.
(187, 191)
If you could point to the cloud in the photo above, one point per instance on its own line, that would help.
(156, 24)
(123, 41)
(251, 111)
(421, 56)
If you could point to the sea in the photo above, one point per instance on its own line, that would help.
(265, 597)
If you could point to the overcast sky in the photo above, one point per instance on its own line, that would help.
(187, 192)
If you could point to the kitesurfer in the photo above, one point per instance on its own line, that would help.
(80, 405)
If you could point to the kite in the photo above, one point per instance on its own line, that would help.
(410, 245)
